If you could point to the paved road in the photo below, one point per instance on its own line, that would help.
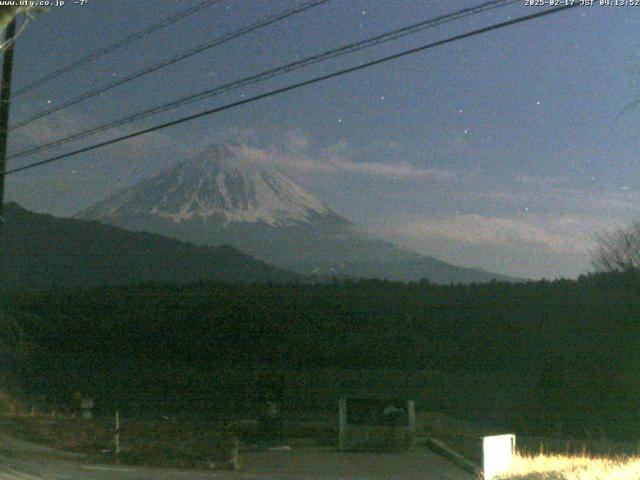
(24, 461)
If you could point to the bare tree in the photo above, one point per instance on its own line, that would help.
(618, 251)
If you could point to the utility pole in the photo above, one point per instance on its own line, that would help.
(5, 103)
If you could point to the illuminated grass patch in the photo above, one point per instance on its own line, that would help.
(558, 467)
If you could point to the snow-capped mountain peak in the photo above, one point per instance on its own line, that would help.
(222, 183)
(232, 194)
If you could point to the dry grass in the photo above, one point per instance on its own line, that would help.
(573, 447)
(540, 458)
(558, 467)
(143, 442)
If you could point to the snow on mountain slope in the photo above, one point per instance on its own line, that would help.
(225, 197)
(221, 183)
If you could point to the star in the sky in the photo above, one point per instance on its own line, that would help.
(364, 12)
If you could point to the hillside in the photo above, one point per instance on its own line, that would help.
(41, 251)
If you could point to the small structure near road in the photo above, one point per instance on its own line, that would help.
(376, 423)
(376, 411)
(86, 405)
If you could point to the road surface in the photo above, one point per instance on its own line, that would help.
(24, 461)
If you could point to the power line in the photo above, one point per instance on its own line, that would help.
(295, 86)
(268, 74)
(119, 44)
(174, 59)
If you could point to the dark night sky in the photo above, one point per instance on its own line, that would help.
(506, 151)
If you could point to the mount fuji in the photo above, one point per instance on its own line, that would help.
(223, 196)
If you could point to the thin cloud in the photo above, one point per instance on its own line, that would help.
(397, 170)
(566, 235)
(295, 156)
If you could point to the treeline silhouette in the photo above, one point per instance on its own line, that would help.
(574, 342)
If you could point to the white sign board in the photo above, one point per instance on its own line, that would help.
(498, 453)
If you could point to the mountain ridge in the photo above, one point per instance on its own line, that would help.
(223, 196)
